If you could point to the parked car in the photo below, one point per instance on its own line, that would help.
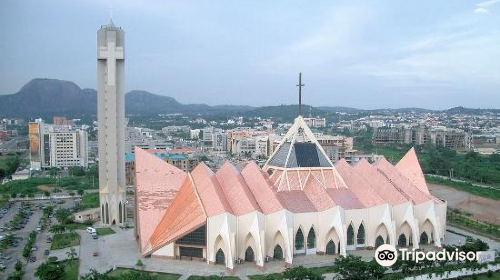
(91, 230)
(34, 248)
(5, 257)
(95, 254)
(46, 252)
(32, 258)
(3, 266)
(94, 236)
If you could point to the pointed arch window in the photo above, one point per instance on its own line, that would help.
(311, 239)
(350, 235)
(299, 240)
(361, 235)
(379, 241)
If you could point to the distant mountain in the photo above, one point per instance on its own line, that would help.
(51, 97)
(48, 96)
(469, 111)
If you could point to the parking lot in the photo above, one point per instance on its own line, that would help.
(34, 213)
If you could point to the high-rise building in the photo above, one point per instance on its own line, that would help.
(111, 118)
(58, 146)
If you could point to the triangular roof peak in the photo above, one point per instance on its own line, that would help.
(410, 168)
(299, 148)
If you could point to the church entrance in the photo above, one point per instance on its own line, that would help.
(192, 245)
(219, 257)
(249, 255)
(278, 253)
(330, 248)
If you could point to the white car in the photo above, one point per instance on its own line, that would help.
(91, 230)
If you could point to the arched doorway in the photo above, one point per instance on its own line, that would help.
(424, 239)
(402, 240)
(379, 241)
(330, 248)
(278, 252)
(249, 255)
(220, 258)
(299, 240)
(350, 235)
(360, 238)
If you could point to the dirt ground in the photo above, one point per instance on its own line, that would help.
(45, 188)
(483, 209)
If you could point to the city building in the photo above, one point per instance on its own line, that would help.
(315, 122)
(336, 147)
(111, 118)
(58, 146)
(456, 139)
(300, 203)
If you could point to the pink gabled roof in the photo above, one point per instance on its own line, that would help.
(157, 184)
(317, 194)
(184, 215)
(236, 190)
(358, 185)
(402, 183)
(211, 194)
(379, 183)
(345, 198)
(410, 168)
(261, 188)
(296, 201)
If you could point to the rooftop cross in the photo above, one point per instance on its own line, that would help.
(300, 85)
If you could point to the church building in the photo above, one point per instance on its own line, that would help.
(299, 203)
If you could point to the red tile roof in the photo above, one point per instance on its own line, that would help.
(410, 168)
(157, 184)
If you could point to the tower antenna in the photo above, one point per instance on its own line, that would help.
(300, 85)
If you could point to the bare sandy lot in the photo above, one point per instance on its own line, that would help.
(481, 208)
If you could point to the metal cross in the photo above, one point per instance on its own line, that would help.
(300, 85)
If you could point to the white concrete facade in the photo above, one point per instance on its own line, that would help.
(111, 118)
(234, 234)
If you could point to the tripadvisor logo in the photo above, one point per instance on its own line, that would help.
(387, 255)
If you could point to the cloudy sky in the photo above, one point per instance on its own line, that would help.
(364, 54)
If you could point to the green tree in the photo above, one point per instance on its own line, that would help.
(63, 216)
(53, 171)
(134, 275)
(375, 270)
(71, 254)
(301, 273)
(76, 171)
(57, 229)
(81, 192)
(351, 267)
(95, 275)
(18, 266)
(50, 271)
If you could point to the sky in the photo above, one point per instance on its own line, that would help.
(362, 54)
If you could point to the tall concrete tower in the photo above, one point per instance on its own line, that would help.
(111, 118)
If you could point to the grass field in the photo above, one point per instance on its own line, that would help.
(65, 240)
(161, 276)
(104, 231)
(90, 200)
(76, 226)
(70, 269)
